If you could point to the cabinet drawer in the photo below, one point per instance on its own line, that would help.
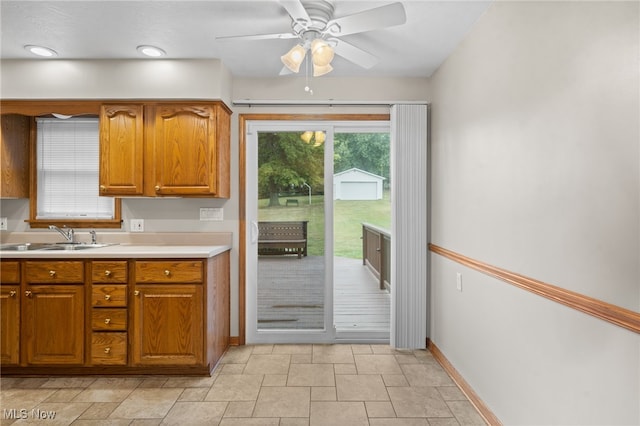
(109, 272)
(109, 295)
(63, 272)
(109, 348)
(103, 319)
(169, 272)
(10, 272)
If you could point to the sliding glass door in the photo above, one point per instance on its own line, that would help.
(290, 199)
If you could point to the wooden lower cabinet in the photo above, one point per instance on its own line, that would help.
(108, 348)
(53, 326)
(167, 324)
(9, 324)
(126, 316)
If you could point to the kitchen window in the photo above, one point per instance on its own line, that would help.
(66, 171)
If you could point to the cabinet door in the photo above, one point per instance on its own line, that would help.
(10, 324)
(54, 324)
(186, 155)
(168, 324)
(121, 149)
(14, 159)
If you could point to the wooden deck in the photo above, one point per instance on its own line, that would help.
(290, 295)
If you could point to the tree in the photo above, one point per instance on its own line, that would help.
(366, 151)
(286, 161)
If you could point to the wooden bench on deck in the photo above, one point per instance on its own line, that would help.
(282, 238)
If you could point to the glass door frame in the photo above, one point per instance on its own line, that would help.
(253, 335)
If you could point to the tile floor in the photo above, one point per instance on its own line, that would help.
(257, 385)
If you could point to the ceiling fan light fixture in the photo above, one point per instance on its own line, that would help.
(45, 52)
(322, 53)
(151, 51)
(321, 70)
(293, 58)
(306, 136)
(320, 137)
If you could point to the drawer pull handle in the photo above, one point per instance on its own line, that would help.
(107, 273)
(107, 350)
(107, 297)
(136, 293)
(52, 273)
(27, 293)
(107, 320)
(12, 293)
(167, 272)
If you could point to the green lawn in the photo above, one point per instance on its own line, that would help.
(348, 218)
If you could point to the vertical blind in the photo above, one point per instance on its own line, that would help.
(68, 164)
(409, 226)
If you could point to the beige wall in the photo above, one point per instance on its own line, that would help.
(536, 169)
(188, 79)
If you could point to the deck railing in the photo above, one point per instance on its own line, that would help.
(376, 253)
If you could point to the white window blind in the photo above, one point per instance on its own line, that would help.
(68, 164)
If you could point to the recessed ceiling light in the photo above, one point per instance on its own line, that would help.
(152, 51)
(41, 51)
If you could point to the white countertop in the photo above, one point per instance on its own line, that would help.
(122, 251)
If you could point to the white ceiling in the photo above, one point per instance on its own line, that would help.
(188, 29)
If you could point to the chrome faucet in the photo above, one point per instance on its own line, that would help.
(69, 235)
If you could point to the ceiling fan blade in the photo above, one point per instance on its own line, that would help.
(259, 37)
(372, 19)
(354, 54)
(296, 10)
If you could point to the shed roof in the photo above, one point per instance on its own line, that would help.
(355, 169)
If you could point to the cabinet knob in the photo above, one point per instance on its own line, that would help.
(107, 350)
(12, 293)
(107, 320)
(27, 293)
(167, 272)
(52, 273)
(103, 188)
(107, 273)
(157, 188)
(136, 293)
(107, 297)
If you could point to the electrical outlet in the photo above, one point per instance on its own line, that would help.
(137, 225)
(3, 223)
(459, 281)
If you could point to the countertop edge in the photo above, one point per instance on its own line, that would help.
(123, 251)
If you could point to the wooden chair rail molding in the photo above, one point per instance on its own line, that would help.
(612, 313)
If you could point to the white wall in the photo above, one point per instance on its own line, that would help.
(187, 79)
(536, 169)
(115, 79)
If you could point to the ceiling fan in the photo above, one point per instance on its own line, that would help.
(319, 32)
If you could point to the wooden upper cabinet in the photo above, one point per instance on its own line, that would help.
(186, 150)
(14, 158)
(165, 149)
(121, 149)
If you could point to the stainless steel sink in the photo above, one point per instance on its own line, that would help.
(51, 246)
(23, 246)
(74, 246)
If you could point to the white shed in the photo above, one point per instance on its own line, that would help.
(356, 184)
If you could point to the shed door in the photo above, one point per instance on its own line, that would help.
(359, 191)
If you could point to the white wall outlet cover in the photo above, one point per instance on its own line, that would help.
(459, 281)
(3, 223)
(211, 213)
(137, 225)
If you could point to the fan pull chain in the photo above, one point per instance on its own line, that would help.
(306, 75)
